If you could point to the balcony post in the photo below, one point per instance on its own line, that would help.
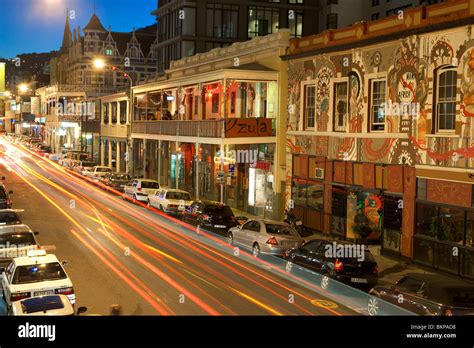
(102, 152)
(110, 153)
(144, 159)
(118, 158)
(196, 169)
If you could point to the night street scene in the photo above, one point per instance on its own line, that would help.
(237, 158)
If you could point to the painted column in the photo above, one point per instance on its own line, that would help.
(118, 158)
(102, 152)
(110, 154)
(144, 158)
(196, 168)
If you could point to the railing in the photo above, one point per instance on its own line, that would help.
(208, 128)
(81, 88)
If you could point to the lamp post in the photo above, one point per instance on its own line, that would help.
(101, 64)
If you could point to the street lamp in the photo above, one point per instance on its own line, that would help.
(100, 64)
(23, 88)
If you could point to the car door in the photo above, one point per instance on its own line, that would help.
(305, 254)
(194, 212)
(239, 234)
(155, 199)
(252, 233)
(7, 279)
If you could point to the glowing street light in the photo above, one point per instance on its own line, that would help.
(23, 88)
(99, 63)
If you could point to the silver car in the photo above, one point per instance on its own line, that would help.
(265, 236)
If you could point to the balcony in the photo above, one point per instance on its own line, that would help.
(234, 128)
(208, 128)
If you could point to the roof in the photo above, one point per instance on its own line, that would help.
(251, 66)
(94, 24)
(27, 260)
(122, 39)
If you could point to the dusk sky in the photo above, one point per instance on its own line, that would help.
(28, 26)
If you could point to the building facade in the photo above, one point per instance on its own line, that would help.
(190, 27)
(213, 125)
(380, 134)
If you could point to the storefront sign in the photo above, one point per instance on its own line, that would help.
(248, 127)
(35, 105)
(262, 165)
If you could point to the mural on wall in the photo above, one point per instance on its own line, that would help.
(364, 216)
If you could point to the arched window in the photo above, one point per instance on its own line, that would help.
(445, 99)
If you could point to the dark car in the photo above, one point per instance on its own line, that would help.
(5, 200)
(43, 150)
(9, 217)
(428, 294)
(210, 216)
(358, 272)
(116, 181)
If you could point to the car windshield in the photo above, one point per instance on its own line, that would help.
(17, 239)
(38, 273)
(150, 185)
(178, 195)
(9, 218)
(221, 210)
(281, 230)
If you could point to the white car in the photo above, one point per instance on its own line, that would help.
(38, 274)
(140, 189)
(83, 166)
(16, 241)
(170, 201)
(96, 172)
(52, 305)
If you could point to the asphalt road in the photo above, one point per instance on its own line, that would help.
(122, 253)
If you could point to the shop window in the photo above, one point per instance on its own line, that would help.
(298, 192)
(442, 223)
(339, 211)
(310, 106)
(377, 103)
(315, 196)
(340, 106)
(445, 99)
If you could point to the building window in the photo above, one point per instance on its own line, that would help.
(341, 109)
(332, 2)
(123, 112)
(233, 98)
(310, 103)
(446, 81)
(375, 16)
(296, 23)
(377, 104)
(263, 21)
(299, 2)
(222, 21)
(109, 52)
(331, 21)
(375, 2)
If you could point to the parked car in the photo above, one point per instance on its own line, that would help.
(428, 294)
(116, 181)
(170, 201)
(5, 199)
(97, 172)
(16, 241)
(265, 236)
(140, 189)
(9, 217)
(43, 150)
(50, 305)
(37, 274)
(360, 273)
(82, 166)
(210, 216)
(71, 156)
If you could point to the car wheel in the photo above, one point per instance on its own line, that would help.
(230, 238)
(255, 250)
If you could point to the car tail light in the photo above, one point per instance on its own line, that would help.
(65, 291)
(139, 189)
(448, 312)
(9, 202)
(206, 217)
(338, 266)
(376, 269)
(172, 206)
(272, 241)
(19, 296)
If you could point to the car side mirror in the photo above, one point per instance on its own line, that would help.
(3, 178)
(10, 192)
(36, 233)
(65, 263)
(81, 310)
